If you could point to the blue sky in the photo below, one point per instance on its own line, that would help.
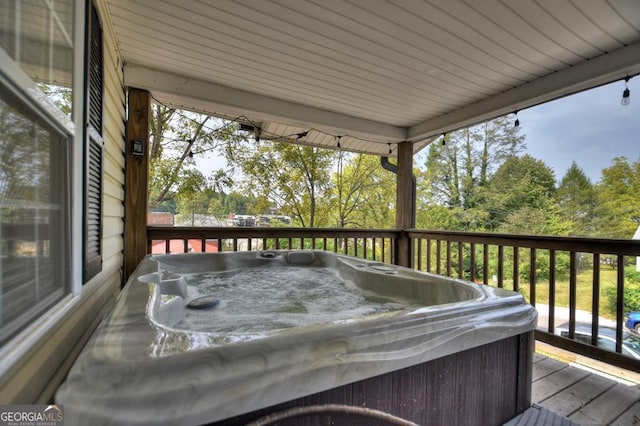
(590, 128)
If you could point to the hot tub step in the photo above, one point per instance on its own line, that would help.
(540, 416)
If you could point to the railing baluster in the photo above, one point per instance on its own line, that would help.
(185, 245)
(485, 263)
(167, 246)
(364, 247)
(428, 259)
(472, 262)
(573, 272)
(552, 291)
(448, 258)
(595, 300)
(532, 277)
(516, 268)
(438, 256)
(460, 260)
(500, 266)
(373, 242)
(419, 254)
(620, 304)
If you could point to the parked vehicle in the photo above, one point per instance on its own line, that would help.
(632, 321)
(606, 338)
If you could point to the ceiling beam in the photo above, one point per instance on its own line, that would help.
(586, 75)
(214, 98)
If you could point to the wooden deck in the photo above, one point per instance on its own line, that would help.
(585, 396)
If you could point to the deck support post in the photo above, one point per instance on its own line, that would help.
(404, 204)
(136, 179)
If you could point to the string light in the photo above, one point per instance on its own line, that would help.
(626, 95)
(444, 139)
(517, 123)
(246, 123)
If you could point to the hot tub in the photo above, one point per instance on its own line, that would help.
(230, 337)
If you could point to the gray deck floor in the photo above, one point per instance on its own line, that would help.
(585, 397)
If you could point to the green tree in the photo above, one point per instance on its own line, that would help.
(362, 193)
(193, 195)
(617, 209)
(520, 183)
(458, 169)
(176, 138)
(293, 177)
(576, 199)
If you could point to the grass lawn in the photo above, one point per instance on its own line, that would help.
(584, 293)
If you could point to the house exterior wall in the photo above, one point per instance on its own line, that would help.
(35, 363)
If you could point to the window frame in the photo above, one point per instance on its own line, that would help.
(19, 348)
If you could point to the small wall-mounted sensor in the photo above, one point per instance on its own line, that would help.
(137, 148)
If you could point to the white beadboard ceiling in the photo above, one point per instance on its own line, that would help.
(374, 72)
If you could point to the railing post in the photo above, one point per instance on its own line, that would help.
(404, 204)
(136, 180)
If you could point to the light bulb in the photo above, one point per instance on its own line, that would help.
(626, 97)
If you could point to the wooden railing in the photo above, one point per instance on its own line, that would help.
(569, 280)
(563, 277)
(374, 244)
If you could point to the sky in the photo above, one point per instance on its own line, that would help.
(590, 128)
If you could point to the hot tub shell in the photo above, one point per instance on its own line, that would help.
(464, 355)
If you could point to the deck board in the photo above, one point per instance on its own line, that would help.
(607, 407)
(557, 381)
(629, 417)
(546, 367)
(581, 396)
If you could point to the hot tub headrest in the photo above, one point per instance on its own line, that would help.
(300, 257)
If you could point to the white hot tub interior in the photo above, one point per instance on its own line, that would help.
(269, 291)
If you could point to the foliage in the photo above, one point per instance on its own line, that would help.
(617, 211)
(176, 137)
(576, 199)
(459, 169)
(631, 293)
(521, 183)
(294, 178)
(362, 193)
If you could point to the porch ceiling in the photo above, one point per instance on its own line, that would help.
(374, 71)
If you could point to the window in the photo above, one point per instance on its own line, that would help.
(36, 50)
